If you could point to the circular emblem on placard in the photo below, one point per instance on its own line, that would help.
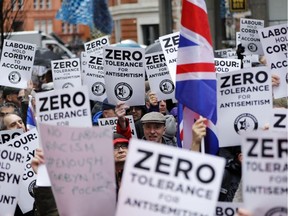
(166, 86)
(277, 211)
(67, 85)
(14, 77)
(123, 91)
(98, 88)
(245, 122)
(31, 187)
(252, 47)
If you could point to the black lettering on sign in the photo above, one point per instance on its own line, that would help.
(95, 60)
(155, 59)
(280, 121)
(124, 55)
(173, 41)
(139, 163)
(66, 64)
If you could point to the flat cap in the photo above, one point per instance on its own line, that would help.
(153, 117)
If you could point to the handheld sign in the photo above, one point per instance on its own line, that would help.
(12, 161)
(279, 120)
(274, 41)
(159, 77)
(244, 103)
(264, 172)
(124, 74)
(169, 44)
(80, 164)
(225, 65)
(16, 63)
(223, 53)
(249, 35)
(95, 47)
(66, 73)
(94, 78)
(7, 135)
(162, 180)
(227, 208)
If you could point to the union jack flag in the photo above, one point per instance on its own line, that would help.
(195, 76)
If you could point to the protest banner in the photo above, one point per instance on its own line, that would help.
(164, 180)
(12, 162)
(223, 65)
(264, 172)
(227, 208)
(94, 78)
(249, 35)
(125, 75)
(69, 107)
(80, 164)
(169, 44)
(7, 135)
(95, 47)
(279, 120)
(223, 53)
(66, 73)
(17, 61)
(244, 103)
(29, 142)
(112, 122)
(158, 76)
(274, 41)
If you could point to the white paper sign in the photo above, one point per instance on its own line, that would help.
(162, 180)
(279, 120)
(66, 73)
(244, 101)
(124, 75)
(169, 44)
(274, 41)
(223, 65)
(17, 61)
(158, 76)
(7, 135)
(249, 35)
(112, 122)
(223, 53)
(94, 78)
(264, 172)
(95, 47)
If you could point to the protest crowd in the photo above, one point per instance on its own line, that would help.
(112, 132)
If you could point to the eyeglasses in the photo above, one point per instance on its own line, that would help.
(122, 146)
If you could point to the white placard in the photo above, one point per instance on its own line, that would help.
(158, 76)
(112, 122)
(223, 53)
(249, 35)
(279, 120)
(84, 63)
(227, 208)
(244, 101)
(274, 41)
(66, 73)
(17, 61)
(124, 75)
(169, 44)
(94, 78)
(95, 47)
(223, 65)
(232, 55)
(164, 179)
(264, 172)
(7, 135)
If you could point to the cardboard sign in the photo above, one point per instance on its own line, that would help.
(81, 168)
(249, 35)
(29, 142)
(244, 101)
(112, 122)
(16, 63)
(169, 44)
(161, 180)
(223, 53)
(66, 73)
(225, 65)
(12, 162)
(95, 47)
(94, 78)
(125, 75)
(7, 135)
(279, 120)
(158, 76)
(264, 172)
(274, 41)
(227, 208)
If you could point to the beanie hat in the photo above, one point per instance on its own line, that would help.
(171, 126)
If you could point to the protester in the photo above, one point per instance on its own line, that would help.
(12, 121)
(8, 108)
(137, 112)
(11, 94)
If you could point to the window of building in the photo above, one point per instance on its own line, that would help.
(35, 4)
(43, 25)
(16, 4)
(48, 4)
(69, 28)
(150, 33)
(41, 4)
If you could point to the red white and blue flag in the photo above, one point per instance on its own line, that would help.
(195, 74)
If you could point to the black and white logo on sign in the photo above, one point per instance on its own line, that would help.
(277, 211)
(68, 85)
(166, 86)
(14, 77)
(98, 88)
(123, 91)
(252, 47)
(245, 122)
(31, 188)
